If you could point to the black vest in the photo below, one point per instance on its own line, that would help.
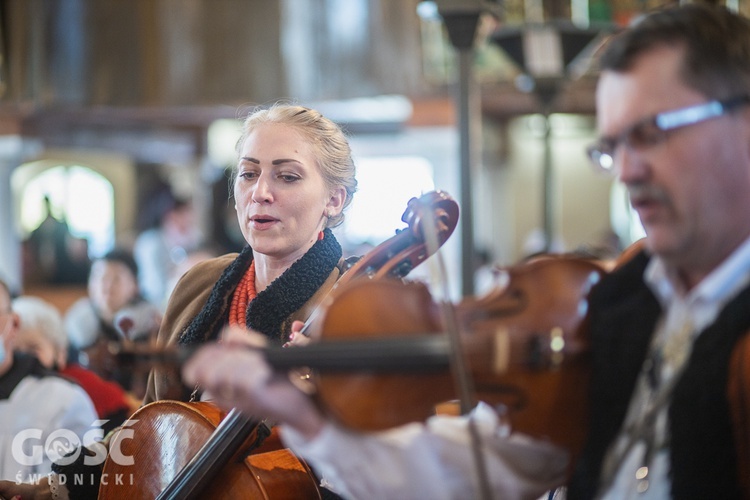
(624, 313)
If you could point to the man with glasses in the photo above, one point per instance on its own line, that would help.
(38, 409)
(675, 129)
(665, 326)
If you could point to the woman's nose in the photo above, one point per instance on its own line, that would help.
(262, 190)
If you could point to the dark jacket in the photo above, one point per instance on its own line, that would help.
(624, 313)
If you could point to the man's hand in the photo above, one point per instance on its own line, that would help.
(235, 373)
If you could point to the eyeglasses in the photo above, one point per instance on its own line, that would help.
(653, 130)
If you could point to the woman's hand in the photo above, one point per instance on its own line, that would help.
(236, 374)
(296, 337)
(11, 490)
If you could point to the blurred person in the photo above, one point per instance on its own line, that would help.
(160, 250)
(487, 275)
(41, 413)
(113, 311)
(193, 257)
(41, 334)
(54, 254)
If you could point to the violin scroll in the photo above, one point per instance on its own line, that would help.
(397, 256)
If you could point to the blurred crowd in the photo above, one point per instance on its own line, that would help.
(61, 355)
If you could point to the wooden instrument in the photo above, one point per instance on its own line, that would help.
(168, 434)
(526, 347)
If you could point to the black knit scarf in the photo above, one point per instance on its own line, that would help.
(271, 307)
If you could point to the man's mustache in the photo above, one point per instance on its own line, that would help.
(646, 192)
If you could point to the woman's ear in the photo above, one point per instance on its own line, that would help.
(336, 202)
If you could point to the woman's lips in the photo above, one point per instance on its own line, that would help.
(262, 222)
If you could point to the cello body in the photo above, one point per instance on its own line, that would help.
(166, 435)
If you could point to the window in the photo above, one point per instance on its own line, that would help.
(384, 187)
(78, 195)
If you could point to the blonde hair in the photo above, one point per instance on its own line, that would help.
(330, 145)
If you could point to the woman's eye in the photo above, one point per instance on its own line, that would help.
(248, 175)
(289, 177)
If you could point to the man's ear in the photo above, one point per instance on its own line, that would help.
(15, 322)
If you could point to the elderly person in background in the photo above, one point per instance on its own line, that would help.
(34, 403)
(41, 334)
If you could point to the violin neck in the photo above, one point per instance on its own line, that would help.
(421, 352)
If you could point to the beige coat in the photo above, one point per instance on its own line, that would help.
(187, 300)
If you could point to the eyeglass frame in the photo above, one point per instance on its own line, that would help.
(606, 147)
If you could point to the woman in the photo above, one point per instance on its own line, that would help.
(294, 178)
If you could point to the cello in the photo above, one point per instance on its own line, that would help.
(179, 450)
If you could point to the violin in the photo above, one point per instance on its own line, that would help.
(182, 450)
(383, 357)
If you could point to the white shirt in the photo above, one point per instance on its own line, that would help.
(431, 460)
(47, 404)
(695, 310)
